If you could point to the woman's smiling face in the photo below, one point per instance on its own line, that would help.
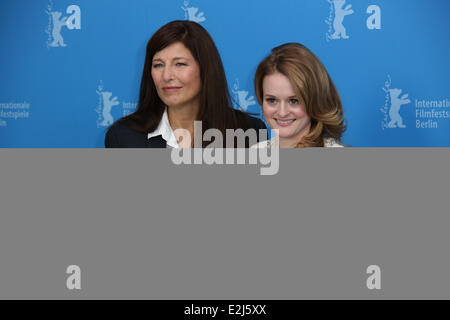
(283, 110)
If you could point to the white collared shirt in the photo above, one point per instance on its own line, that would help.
(165, 130)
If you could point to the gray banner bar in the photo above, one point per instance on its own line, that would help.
(140, 227)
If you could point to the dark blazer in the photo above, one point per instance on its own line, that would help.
(120, 136)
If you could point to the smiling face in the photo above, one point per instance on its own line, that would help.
(283, 110)
(176, 75)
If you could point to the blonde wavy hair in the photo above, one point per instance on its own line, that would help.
(314, 87)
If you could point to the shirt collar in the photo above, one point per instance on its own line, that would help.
(165, 130)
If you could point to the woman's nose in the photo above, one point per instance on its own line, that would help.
(167, 74)
(283, 110)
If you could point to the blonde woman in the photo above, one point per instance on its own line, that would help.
(299, 99)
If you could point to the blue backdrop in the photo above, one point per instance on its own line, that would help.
(71, 67)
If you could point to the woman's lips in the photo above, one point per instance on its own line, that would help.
(284, 123)
(171, 89)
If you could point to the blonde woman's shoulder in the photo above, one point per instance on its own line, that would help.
(332, 143)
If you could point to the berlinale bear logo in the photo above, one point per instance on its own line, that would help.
(393, 103)
(107, 102)
(243, 101)
(191, 13)
(339, 14)
(335, 21)
(396, 103)
(57, 22)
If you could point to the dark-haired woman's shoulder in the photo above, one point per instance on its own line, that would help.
(121, 136)
(256, 123)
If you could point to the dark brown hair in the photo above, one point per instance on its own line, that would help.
(314, 87)
(216, 109)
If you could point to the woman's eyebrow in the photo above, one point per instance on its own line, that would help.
(174, 59)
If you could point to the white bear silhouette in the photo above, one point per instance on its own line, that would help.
(396, 103)
(245, 102)
(339, 15)
(191, 13)
(57, 26)
(108, 103)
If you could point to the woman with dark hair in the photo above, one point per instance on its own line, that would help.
(183, 81)
(299, 99)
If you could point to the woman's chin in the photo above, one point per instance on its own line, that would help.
(283, 133)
